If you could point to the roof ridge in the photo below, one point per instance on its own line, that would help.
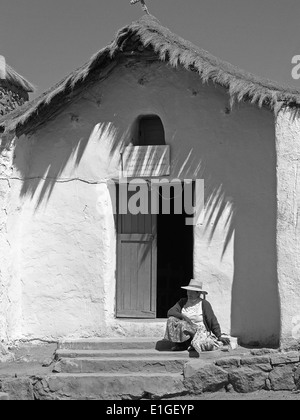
(176, 51)
(230, 68)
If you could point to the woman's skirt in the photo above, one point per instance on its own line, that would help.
(205, 341)
(179, 331)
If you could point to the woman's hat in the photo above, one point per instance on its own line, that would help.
(195, 285)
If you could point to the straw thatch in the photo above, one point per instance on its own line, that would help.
(17, 80)
(143, 37)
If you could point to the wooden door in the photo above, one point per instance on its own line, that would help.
(136, 266)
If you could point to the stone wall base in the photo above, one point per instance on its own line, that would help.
(262, 369)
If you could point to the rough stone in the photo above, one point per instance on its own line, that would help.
(282, 378)
(127, 343)
(121, 365)
(3, 396)
(229, 362)
(108, 386)
(40, 392)
(246, 379)
(283, 358)
(268, 384)
(291, 345)
(229, 388)
(263, 351)
(18, 389)
(255, 360)
(57, 368)
(47, 362)
(204, 378)
(297, 377)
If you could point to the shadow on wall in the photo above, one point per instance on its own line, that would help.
(250, 193)
(251, 223)
(52, 171)
(43, 161)
(239, 174)
(240, 184)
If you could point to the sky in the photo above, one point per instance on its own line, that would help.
(44, 40)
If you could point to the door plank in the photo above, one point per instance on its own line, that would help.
(136, 266)
(135, 275)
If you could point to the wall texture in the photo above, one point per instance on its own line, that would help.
(11, 97)
(288, 229)
(61, 225)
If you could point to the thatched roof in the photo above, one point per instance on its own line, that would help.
(14, 78)
(148, 34)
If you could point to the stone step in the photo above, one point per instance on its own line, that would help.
(113, 344)
(126, 353)
(3, 396)
(110, 386)
(121, 365)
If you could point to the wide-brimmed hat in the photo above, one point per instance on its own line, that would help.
(196, 285)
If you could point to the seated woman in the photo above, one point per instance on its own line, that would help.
(193, 315)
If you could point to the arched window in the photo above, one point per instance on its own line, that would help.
(150, 131)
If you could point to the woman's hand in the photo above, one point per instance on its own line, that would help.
(224, 340)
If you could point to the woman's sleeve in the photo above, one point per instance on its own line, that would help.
(211, 319)
(176, 310)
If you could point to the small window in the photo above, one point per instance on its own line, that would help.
(150, 131)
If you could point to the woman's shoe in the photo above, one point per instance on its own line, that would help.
(178, 347)
(181, 346)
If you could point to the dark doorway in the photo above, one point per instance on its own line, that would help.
(154, 256)
(174, 257)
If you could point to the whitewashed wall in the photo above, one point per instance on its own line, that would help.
(288, 167)
(61, 225)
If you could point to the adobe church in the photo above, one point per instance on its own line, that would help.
(148, 106)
